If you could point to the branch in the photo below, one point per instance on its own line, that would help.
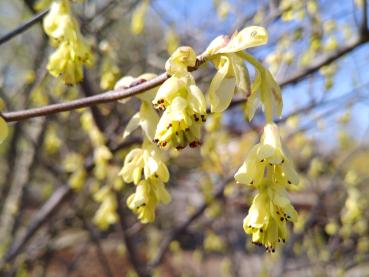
(316, 64)
(89, 90)
(182, 227)
(131, 250)
(122, 93)
(40, 218)
(106, 97)
(23, 27)
(94, 236)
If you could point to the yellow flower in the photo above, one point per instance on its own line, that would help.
(73, 52)
(180, 60)
(268, 157)
(138, 16)
(183, 102)
(268, 216)
(148, 194)
(232, 74)
(106, 214)
(3, 125)
(179, 126)
(57, 19)
(146, 118)
(264, 91)
(147, 160)
(109, 74)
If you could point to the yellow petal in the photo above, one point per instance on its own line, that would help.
(3, 129)
(249, 37)
(148, 120)
(132, 125)
(197, 100)
(221, 89)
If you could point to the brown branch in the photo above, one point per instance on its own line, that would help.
(122, 93)
(182, 227)
(89, 90)
(106, 97)
(131, 250)
(316, 64)
(94, 236)
(23, 27)
(39, 219)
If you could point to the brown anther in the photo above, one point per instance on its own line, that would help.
(164, 143)
(289, 182)
(262, 160)
(193, 144)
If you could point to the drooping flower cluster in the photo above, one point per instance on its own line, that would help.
(72, 50)
(109, 69)
(228, 56)
(269, 169)
(145, 168)
(183, 104)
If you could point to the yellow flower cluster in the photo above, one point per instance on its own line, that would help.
(72, 50)
(183, 103)
(269, 169)
(109, 69)
(145, 168)
(107, 212)
(228, 56)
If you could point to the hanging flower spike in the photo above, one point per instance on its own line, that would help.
(106, 214)
(148, 194)
(269, 169)
(232, 74)
(147, 160)
(271, 156)
(73, 52)
(146, 117)
(183, 102)
(264, 91)
(146, 169)
(268, 216)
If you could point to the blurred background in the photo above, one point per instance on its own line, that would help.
(317, 50)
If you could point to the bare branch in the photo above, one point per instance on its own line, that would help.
(23, 27)
(106, 97)
(39, 219)
(182, 227)
(131, 250)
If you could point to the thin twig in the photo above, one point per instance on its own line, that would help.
(39, 219)
(122, 93)
(23, 27)
(100, 252)
(182, 227)
(131, 249)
